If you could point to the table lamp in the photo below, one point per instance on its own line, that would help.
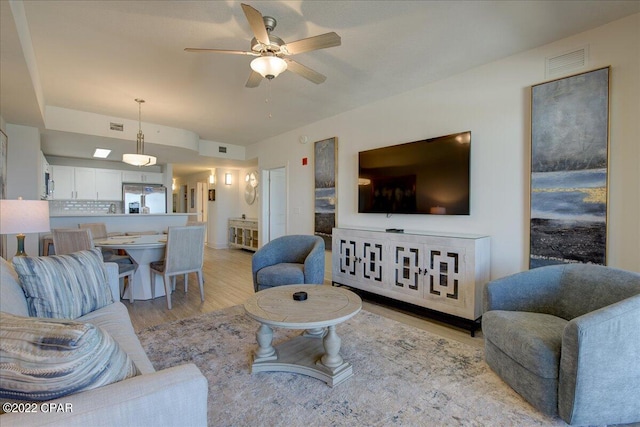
(23, 216)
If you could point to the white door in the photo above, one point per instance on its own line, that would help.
(277, 203)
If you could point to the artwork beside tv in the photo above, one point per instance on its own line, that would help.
(431, 176)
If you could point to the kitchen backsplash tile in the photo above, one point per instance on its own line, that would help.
(62, 207)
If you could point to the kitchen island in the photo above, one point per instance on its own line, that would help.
(122, 223)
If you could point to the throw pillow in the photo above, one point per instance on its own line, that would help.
(64, 286)
(44, 359)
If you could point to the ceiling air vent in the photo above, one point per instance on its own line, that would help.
(116, 126)
(222, 149)
(567, 62)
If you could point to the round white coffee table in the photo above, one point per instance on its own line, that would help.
(316, 352)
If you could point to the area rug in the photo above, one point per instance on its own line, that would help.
(402, 376)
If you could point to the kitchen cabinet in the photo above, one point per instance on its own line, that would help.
(78, 183)
(43, 179)
(138, 177)
(85, 183)
(108, 184)
(64, 184)
(444, 272)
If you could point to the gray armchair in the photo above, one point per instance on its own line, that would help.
(288, 260)
(567, 339)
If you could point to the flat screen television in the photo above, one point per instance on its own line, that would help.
(421, 177)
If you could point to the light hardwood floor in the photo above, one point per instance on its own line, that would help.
(228, 282)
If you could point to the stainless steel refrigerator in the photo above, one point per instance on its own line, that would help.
(140, 198)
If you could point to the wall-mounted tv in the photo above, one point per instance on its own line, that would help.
(421, 177)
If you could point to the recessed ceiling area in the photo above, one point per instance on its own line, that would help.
(98, 56)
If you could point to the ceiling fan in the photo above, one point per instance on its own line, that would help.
(273, 53)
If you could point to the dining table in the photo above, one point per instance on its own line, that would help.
(143, 250)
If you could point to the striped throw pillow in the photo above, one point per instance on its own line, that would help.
(44, 359)
(64, 286)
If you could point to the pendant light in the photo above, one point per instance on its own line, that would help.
(139, 158)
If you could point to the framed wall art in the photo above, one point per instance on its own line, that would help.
(569, 169)
(325, 172)
(4, 145)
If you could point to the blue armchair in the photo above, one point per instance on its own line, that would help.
(567, 339)
(288, 260)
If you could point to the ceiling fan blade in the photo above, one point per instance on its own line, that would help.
(322, 41)
(234, 52)
(306, 72)
(256, 23)
(254, 80)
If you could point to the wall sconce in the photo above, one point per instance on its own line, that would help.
(227, 178)
(173, 184)
(212, 177)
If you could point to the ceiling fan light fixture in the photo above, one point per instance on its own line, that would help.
(269, 67)
(139, 158)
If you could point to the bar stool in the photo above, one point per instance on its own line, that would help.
(47, 241)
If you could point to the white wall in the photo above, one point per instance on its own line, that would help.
(493, 101)
(23, 152)
(250, 211)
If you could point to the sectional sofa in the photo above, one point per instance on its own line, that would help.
(174, 396)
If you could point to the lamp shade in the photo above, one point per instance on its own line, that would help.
(268, 66)
(24, 216)
(139, 159)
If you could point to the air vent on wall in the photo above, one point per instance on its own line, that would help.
(222, 149)
(116, 126)
(567, 62)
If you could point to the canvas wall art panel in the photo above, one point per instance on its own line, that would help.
(4, 145)
(569, 169)
(325, 172)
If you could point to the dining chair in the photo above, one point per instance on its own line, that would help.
(69, 240)
(184, 254)
(98, 232)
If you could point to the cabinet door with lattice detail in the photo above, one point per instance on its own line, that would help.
(407, 268)
(444, 280)
(370, 262)
(359, 260)
(346, 264)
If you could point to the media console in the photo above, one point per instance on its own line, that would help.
(443, 273)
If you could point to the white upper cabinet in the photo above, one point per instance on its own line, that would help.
(108, 184)
(77, 183)
(64, 185)
(43, 189)
(142, 177)
(85, 180)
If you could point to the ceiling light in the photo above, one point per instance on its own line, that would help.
(101, 153)
(268, 67)
(139, 158)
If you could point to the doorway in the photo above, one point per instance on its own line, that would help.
(275, 209)
(202, 205)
